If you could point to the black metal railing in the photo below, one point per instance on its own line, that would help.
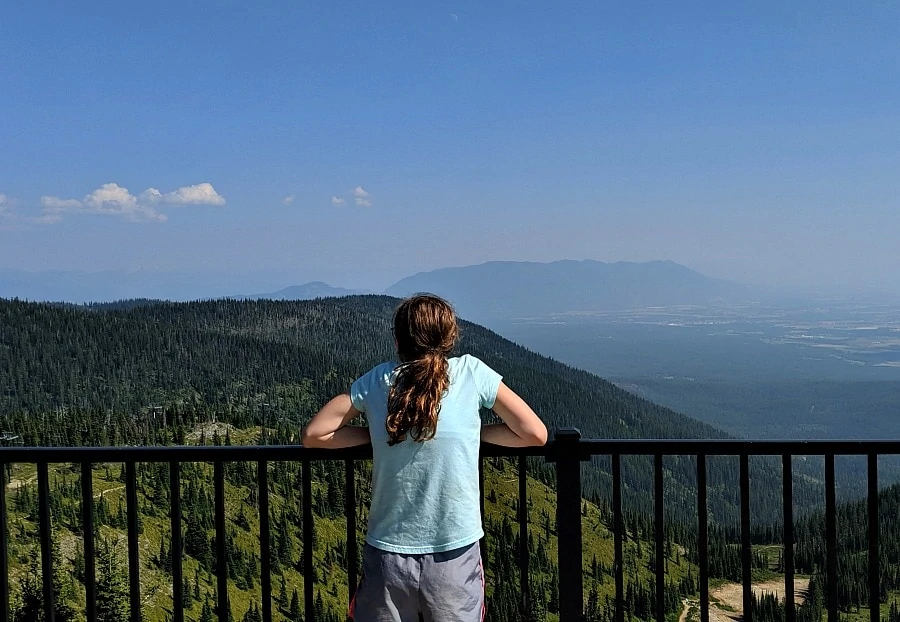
(567, 451)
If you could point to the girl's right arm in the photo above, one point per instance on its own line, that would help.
(521, 427)
(329, 429)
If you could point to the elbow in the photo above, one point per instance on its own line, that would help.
(538, 436)
(307, 439)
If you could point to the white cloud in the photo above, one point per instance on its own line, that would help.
(109, 199)
(4, 202)
(288, 199)
(55, 203)
(361, 197)
(337, 201)
(115, 200)
(200, 194)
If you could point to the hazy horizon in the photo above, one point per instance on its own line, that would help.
(358, 144)
(180, 285)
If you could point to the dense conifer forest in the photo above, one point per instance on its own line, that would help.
(116, 374)
(228, 372)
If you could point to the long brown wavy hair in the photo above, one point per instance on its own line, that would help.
(426, 331)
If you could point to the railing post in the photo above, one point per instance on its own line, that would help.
(568, 524)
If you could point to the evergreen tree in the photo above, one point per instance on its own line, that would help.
(112, 586)
(294, 614)
(186, 594)
(197, 584)
(31, 607)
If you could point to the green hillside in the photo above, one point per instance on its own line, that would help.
(72, 375)
(329, 552)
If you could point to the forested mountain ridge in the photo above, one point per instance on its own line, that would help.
(217, 352)
(275, 362)
(307, 291)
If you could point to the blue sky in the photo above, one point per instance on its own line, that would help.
(358, 143)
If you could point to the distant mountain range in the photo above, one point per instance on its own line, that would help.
(523, 289)
(498, 289)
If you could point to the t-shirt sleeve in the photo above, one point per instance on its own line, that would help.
(359, 390)
(487, 381)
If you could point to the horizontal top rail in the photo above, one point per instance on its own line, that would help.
(575, 448)
(566, 450)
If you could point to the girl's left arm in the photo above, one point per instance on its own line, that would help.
(329, 429)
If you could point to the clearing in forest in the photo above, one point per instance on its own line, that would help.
(727, 600)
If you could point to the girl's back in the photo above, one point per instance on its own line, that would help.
(425, 495)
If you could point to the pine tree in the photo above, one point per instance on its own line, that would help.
(282, 595)
(197, 584)
(31, 607)
(112, 586)
(196, 542)
(186, 598)
(252, 614)
(319, 606)
(294, 614)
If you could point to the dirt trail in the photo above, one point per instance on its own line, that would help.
(97, 495)
(731, 598)
(14, 484)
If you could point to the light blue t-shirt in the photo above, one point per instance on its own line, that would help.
(425, 495)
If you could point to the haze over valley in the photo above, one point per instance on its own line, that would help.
(754, 361)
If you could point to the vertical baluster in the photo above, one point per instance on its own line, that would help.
(134, 562)
(350, 513)
(568, 523)
(87, 529)
(831, 540)
(523, 532)
(618, 533)
(4, 549)
(46, 543)
(787, 488)
(176, 549)
(872, 502)
(482, 544)
(746, 550)
(307, 541)
(658, 519)
(703, 537)
(221, 560)
(265, 553)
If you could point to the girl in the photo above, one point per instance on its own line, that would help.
(422, 559)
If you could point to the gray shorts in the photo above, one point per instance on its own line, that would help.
(434, 587)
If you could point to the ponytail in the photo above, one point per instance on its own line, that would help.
(426, 331)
